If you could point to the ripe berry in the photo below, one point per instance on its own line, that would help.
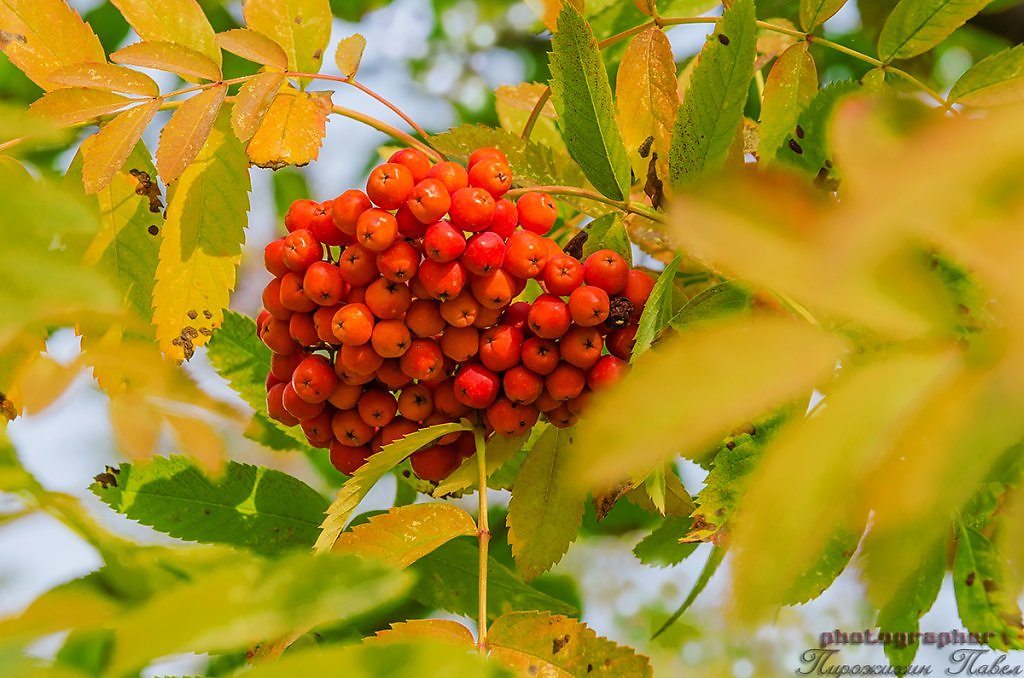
(360, 359)
(537, 212)
(318, 429)
(516, 315)
(620, 342)
(451, 174)
(323, 322)
(349, 377)
(562, 416)
(297, 406)
(275, 408)
(282, 366)
(353, 324)
(638, 289)
(301, 249)
(549, 317)
(446, 403)
(346, 208)
(481, 154)
(443, 242)
(323, 284)
(390, 185)
(588, 306)
(358, 265)
(435, 463)
(390, 338)
(525, 254)
(423, 360)
(399, 262)
(505, 218)
(494, 176)
(460, 343)
(485, 252)
(501, 347)
(565, 382)
(540, 355)
(350, 429)
(322, 226)
(545, 403)
(377, 407)
(272, 300)
(494, 290)
(476, 386)
(424, 318)
(416, 402)
(414, 159)
(276, 337)
(376, 229)
(562, 275)
(303, 329)
(606, 269)
(486, 317)
(314, 379)
(460, 311)
(345, 396)
(472, 209)
(387, 300)
(581, 346)
(398, 428)
(293, 295)
(273, 258)
(607, 371)
(511, 419)
(522, 385)
(299, 214)
(442, 280)
(430, 200)
(408, 225)
(391, 375)
(348, 459)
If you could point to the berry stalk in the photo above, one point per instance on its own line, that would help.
(484, 534)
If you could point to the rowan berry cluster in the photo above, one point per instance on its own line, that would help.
(395, 308)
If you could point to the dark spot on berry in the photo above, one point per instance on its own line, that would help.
(799, 132)
(723, 39)
(153, 230)
(795, 147)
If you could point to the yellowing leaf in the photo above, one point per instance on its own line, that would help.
(113, 144)
(206, 217)
(200, 440)
(104, 76)
(41, 36)
(915, 26)
(547, 11)
(546, 509)
(349, 54)
(544, 644)
(743, 368)
(443, 630)
(252, 103)
(647, 97)
(167, 56)
(182, 22)
(292, 129)
(254, 47)
(76, 105)
(998, 79)
(41, 381)
(301, 27)
(405, 534)
(186, 132)
(135, 426)
(514, 103)
(814, 12)
(789, 88)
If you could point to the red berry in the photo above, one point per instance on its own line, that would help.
(346, 208)
(589, 306)
(607, 371)
(540, 355)
(430, 200)
(452, 175)
(424, 318)
(361, 359)
(272, 300)
(562, 275)
(460, 311)
(314, 379)
(501, 347)
(494, 176)
(511, 419)
(348, 459)
(435, 463)
(323, 284)
(494, 290)
(549, 317)
(350, 429)
(323, 228)
(581, 346)
(282, 366)
(522, 385)
(358, 265)
(389, 185)
(301, 249)
(275, 408)
(443, 242)
(620, 342)
(386, 299)
(390, 338)
(276, 337)
(442, 280)
(638, 289)
(293, 295)
(423, 360)
(353, 324)
(537, 212)
(296, 405)
(481, 154)
(303, 329)
(377, 407)
(472, 209)
(476, 386)
(505, 218)
(484, 253)
(565, 381)
(414, 159)
(299, 214)
(606, 269)
(408, 225)
(376, 229)
(526, 254)
(517, 315)
(399, 262)
(273, 258)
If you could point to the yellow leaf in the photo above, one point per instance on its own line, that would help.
(41, 381)
(167, 56)
(182, 22)
(41, 36)
(77, 105)
(135, 426)
(107, 77)
(732, 371)
(186, 132)
(292, 130)
(252, 103)
(206, 217)
(647, 97)
(199, 440)
(405, 534)
(514, 103)
(349, 54)
(114, 143)
(443, 630)
(254, 47)
(548, 10)
(301, 27)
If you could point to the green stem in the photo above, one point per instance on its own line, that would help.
(484, 535)
(622, 205)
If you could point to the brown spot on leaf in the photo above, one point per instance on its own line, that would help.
(148, 188)
(970, 579)
(153, 230)
(108, 478)
(645, 147)
(533, 669)
(799, 132)
(207, 314)
(558, 643)
(192, 314)
(795, 147)
(654, 188)
(604, 502)
(990, 585)
(723, 39)
(574, 248)
(7, 410)
(318, 53)
(7, 38)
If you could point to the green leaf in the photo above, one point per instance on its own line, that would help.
(301, 27)
(608, 232)
(545, 512)
(404, 658)
(814, 12)
(662, 548)
(251, 600)
(902, 614)
(403, 535)
(984, 601)
(356, 487)
(995, 80)
(239, 356)
(86, 650)
(555, 645)
(806, 145)
(721, 301)
(789, 89)
(179, 21)
(830, 563)
(915, 26)
(657, 311)
(712, 111)
(131, 221)
(715, 559)
(206, 219)
(583, 99)
(250, 506)
(448, 581)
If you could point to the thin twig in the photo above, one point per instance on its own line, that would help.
(484, 534)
